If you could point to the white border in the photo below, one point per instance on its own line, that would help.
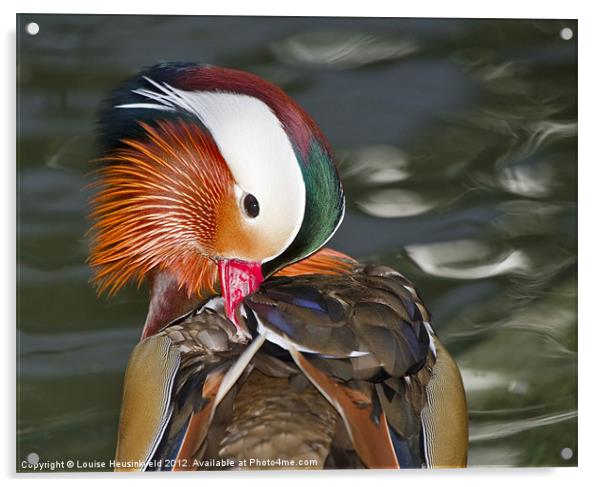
(375, 8)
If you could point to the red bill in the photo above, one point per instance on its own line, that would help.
(238, 279)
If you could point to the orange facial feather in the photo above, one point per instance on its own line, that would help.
(158, 208)
(325, 261)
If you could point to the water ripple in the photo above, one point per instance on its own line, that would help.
(61, 355)
(484, 380)
(534, 181)
(467, 259)
(377, 164)
(395, 203)
(340, 49)
(496, 430)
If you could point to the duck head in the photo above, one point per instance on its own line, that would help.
(212, 180)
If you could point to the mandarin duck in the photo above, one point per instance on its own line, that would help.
(261, 347)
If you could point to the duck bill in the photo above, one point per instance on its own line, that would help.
(238, 279)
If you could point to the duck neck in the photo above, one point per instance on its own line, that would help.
(167, 302)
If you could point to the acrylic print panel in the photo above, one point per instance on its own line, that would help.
(345, 242)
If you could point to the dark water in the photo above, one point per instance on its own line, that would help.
(457, 144)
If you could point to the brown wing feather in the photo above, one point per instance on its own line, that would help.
(199, 423)
(370, 438)
(277, 424)
(211, 353)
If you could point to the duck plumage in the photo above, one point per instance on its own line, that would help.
(344, 370)
(260, 344)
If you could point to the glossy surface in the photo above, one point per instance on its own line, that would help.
(457, 146)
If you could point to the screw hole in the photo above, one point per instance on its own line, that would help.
(566, 34)
(32, 28)
(566, 453)
(33, 458)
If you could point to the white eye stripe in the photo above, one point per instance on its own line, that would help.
(256, 148)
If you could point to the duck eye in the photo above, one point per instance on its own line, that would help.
(251, 205)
